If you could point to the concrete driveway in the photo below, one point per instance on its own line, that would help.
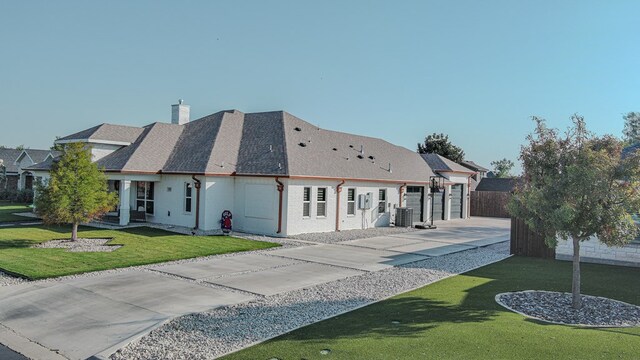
(95, 315)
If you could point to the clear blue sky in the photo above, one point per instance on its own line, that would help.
(476, 70)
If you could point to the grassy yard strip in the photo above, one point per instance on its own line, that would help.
(7, 209)
(458, 318)
(141, 246)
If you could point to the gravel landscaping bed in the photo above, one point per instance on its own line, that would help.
(80, 245)
(345, 235)
(215, 333)
(6, 279)
(555, 307)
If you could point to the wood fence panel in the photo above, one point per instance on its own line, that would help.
(489, 203)
(525, 242)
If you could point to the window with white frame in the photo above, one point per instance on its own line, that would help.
(321, 205)
(188, 197)
(351, 201)
(382, 201)
(306, 202)
(144, 197)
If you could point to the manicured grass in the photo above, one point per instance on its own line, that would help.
(7, 209)
(457, 318)
(140, 246)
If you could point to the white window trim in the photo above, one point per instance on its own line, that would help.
(145, 200)
(381, 201)
(355, 202)
(185, 197)
(321, 202)
(307, 202)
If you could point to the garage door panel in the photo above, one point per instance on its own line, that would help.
(438, 206)
(415, 200)
(456, 201)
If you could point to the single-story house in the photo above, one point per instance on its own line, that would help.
(17, 161)
(278, 174)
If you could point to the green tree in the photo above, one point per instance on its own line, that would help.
(577, 186)
(440, 144)
(20, 147)
(502, 168)
(76, 191)
(631, 130)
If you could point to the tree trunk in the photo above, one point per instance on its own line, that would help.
(74, 232)
(575, 287)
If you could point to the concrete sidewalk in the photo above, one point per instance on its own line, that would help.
(96, 314)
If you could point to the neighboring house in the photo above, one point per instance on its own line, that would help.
(453, 202)
(17, 161)
(506, 185)
(277, 174)
(480, 172)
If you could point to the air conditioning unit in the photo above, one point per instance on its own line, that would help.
(364, 201)
(404, 217)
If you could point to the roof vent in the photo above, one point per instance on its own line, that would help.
(360, 157)
(371, 157)
(335, 149)
(297, 129)
(351, 146)
(303, 144)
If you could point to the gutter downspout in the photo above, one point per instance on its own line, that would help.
(197, 185)
(280, 190)
(402, 187)
(338, 191)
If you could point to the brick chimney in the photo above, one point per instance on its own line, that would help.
(180, 113)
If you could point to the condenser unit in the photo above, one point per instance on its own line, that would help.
(404, 217)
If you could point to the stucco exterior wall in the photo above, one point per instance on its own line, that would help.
(298, 224)
(169, 201)
(218, 195)
(593, 250)
(256, 206)
(98, 151)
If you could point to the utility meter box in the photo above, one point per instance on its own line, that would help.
(364, 201)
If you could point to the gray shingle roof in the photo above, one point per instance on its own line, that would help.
(147, 154)
(268, 143)
(497, 184)
(473, 166)
(440, 163)
(107, 132)
(9, 156)
(355, 156)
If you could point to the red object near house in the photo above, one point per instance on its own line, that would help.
(225, 222)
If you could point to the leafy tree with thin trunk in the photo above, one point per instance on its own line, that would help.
(577, 186)
(502, 168)
(631, 130)
(440, 144)
(76, 192)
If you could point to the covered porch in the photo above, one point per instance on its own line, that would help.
(136, 198)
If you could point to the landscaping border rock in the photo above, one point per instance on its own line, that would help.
(80, 245)
(555, 308)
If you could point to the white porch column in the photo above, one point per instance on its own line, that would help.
(125, 195)
(427, 204)
(447, 202)
(466, 201)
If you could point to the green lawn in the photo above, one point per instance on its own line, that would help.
(7, 209)
(140, 246)
(457, 318)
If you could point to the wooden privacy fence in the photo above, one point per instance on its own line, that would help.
(489, 203)
(525, 242)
